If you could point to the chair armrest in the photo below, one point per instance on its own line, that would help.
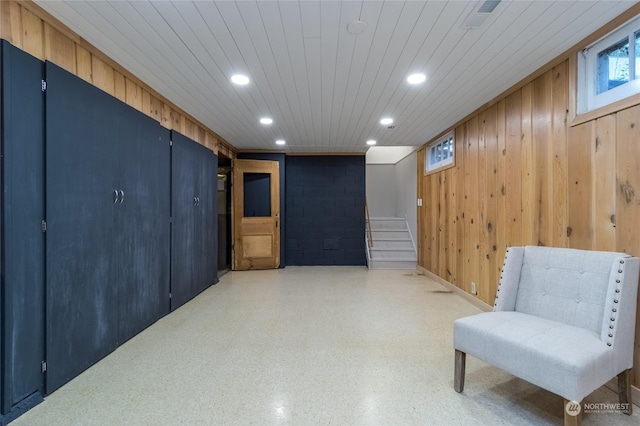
(619, 322)
(509, 280)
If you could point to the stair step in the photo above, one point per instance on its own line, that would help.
(389, 233)
(398, 255)
(392, 264)
(393, 243)
(388, 223)
(385, 238)
(374, 248)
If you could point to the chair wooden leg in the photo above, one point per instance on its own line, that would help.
(624, 390)
(458, 380)
(572, 413)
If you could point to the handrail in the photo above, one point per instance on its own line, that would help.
(366, 209)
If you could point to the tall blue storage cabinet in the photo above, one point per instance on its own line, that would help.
(108, 224)
(86, 226)
(22, 237)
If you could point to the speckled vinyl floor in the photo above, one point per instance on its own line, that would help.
(305, 346)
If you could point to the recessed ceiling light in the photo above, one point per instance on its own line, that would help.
(266, 120)
(280, 142)
(240, 79)
(416, 78)
(371, 142)
(386, 120)
(357, 27)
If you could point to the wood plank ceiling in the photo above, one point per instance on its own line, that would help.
(325, 88)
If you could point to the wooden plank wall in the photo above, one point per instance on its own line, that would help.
(525, 176)
(28, 27)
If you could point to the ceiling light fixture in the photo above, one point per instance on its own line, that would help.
(280, 142)
(386, 120)
(416, 78)
(371, 142)
(239, 79)
(357, 27)
(266, 120)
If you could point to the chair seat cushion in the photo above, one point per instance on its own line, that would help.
(566, 360)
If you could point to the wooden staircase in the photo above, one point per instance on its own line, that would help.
(393, 246)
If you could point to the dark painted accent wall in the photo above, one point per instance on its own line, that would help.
(280, 158)
(325, 210)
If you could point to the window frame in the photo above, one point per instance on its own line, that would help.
(587, 98)
(442, 164)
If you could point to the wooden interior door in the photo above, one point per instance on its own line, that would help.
(256, 214)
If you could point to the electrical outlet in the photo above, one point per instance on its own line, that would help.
(473, 288)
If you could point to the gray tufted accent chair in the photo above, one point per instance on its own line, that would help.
(563, 319)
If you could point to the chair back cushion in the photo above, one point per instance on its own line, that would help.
(565, 285)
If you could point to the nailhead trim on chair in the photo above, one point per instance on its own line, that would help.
(614, 310)
(495, 301)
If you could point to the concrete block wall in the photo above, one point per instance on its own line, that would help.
(325, 210)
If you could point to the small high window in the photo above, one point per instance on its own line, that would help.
(439, 153)
(609, 70)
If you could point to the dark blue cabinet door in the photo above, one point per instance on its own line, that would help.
(81, 171)
(193, 237)
(143, 222)
(22, 305)
(184, 160)
(208, 250)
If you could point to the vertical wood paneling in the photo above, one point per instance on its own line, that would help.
(450, 241)
(471, 206)
(524, 176)
(190, 129)
(514, 173)
(102, 75)
(543, 205)
(83, 64)
(202, 136)
(426, 231)
(628, 180)
(133, 95)
(529, 200)
(29, 28)
(580, 215)
(489, 247)
(146, 101)
(421, 209)
(59, 49)
(481, 189)
(32, 34)
(11, 23)
(560, 110)
(120, 86)
(501, 187)
(460, 238)
(433, 236)
(604, 185)
(443, 229)
(156, 109)
(628, 194)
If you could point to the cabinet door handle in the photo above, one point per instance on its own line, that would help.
(195, 201)
(116, 197)
(121, 196)
(198, 200)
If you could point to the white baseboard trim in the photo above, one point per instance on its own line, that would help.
(611, 384)
(466, 296)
